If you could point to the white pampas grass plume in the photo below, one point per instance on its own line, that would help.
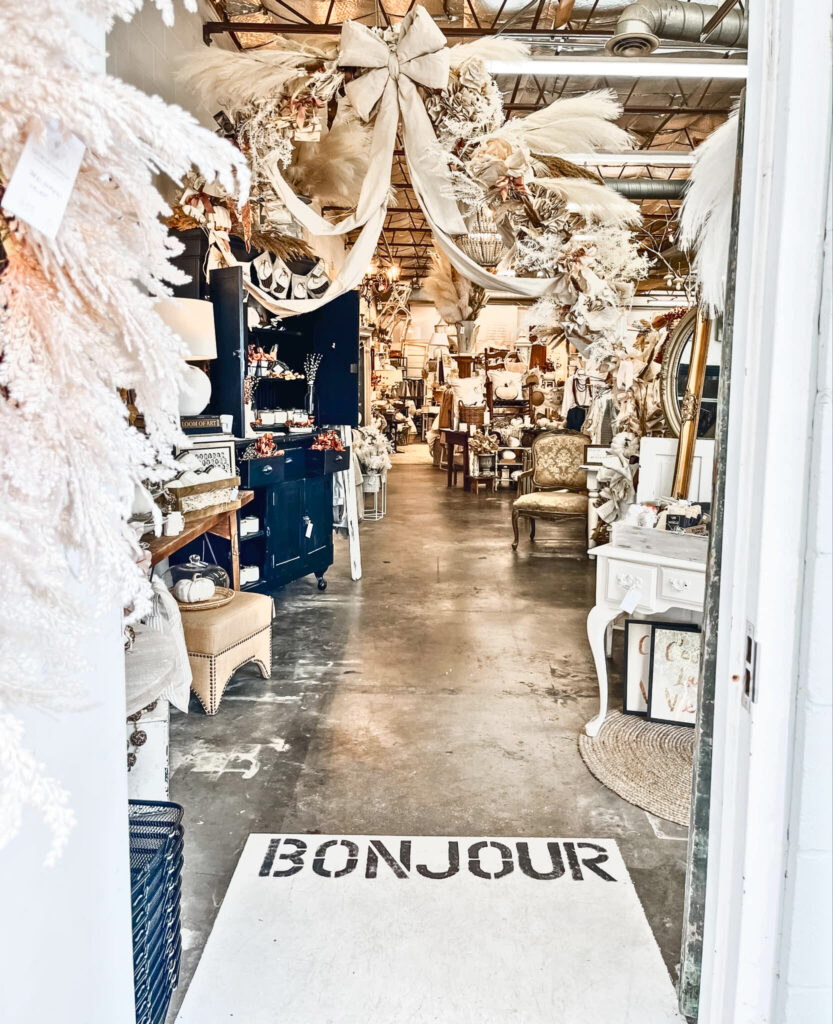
(448, 290)
(488, 48)
(596, 203)
(236, 80)
(581, 124)
(333, 169)
(706, 213)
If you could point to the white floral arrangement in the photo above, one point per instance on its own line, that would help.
(373, 450)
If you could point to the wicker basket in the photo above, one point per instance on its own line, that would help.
(475, 414)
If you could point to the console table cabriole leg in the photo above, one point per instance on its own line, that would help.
(598, 620)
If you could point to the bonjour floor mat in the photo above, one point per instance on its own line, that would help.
(318, 929)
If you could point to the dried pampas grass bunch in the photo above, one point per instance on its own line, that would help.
(454, 296)
(333, 169)
(595, 202)
(581, 124)
(706, 213)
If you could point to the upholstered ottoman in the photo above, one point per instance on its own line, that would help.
(220, 640)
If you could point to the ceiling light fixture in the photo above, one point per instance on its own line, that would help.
(636, 157)
(619, 67)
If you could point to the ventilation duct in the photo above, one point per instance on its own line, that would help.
(642, 25)
(648, 188)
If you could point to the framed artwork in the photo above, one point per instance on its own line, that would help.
(214, 453)
(675, 673)
(638, 636)
(595, 454)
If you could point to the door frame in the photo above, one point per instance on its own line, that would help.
(769, 503)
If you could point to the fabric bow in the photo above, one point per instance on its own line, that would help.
(419, 55)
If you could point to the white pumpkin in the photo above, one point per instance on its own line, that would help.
(200, 588)
(506, 392)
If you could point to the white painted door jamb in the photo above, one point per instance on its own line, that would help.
(779, 281)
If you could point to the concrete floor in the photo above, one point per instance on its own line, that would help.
(440, 695)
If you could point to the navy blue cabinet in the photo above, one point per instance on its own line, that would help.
(294, 492)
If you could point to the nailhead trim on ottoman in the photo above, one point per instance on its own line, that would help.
(249, 615)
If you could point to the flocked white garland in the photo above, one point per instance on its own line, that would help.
(77, 322)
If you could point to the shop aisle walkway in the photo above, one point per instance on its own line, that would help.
(442, 695)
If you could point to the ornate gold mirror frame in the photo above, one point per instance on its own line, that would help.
(690, 406)
(672, 353)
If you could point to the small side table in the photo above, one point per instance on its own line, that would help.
(658, 583)
(452, 439)
(222, 524)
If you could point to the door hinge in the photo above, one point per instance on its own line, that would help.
(750, 668)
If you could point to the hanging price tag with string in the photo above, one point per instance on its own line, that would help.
(42, 182)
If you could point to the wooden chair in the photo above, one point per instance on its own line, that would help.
(555, 488)
(521, 406)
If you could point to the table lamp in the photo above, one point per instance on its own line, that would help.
(193, 321)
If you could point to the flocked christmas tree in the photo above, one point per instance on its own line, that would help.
(77, 323)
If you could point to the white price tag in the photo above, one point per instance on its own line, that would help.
(42, 181)
(630, 601)
(309, 530)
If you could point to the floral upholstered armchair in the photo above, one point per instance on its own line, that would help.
(556, 486)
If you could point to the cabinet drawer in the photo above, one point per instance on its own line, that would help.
(683, 585)
(293, 462)
(319, 463)
(262, 472)
(623, 577)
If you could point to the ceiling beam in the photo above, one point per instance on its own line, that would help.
(213, 28)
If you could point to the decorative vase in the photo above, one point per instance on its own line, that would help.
(371, 481)
(309, 401)
(465, 336)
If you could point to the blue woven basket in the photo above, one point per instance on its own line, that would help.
(156, 844)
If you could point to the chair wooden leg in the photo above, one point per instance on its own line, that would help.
(515, 517)
(531, 528)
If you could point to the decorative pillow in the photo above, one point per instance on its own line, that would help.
(469, 390)
(507, 386)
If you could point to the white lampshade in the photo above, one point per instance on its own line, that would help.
(193, 321)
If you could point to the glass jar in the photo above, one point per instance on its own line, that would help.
(193, 569)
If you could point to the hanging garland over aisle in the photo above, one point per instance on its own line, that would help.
(562, 237)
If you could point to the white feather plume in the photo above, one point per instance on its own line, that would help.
(706, 213)
(581, 124)
(597, 203)
(487, 48)
(236, 80)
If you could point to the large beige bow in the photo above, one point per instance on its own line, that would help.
(417, 56)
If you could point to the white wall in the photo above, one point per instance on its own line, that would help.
(807, 938)
(144, 53)
(65, 942)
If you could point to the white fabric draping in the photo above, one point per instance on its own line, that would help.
(419, 56)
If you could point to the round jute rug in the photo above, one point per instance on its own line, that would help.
(646, 763)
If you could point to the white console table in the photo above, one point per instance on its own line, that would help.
(642, 583)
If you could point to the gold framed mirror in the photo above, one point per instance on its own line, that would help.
(676, 361)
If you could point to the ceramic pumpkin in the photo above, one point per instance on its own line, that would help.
(198, 588)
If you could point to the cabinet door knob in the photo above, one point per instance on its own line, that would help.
(267, 469)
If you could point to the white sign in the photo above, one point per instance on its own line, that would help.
(43, 179)
(630, 601)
